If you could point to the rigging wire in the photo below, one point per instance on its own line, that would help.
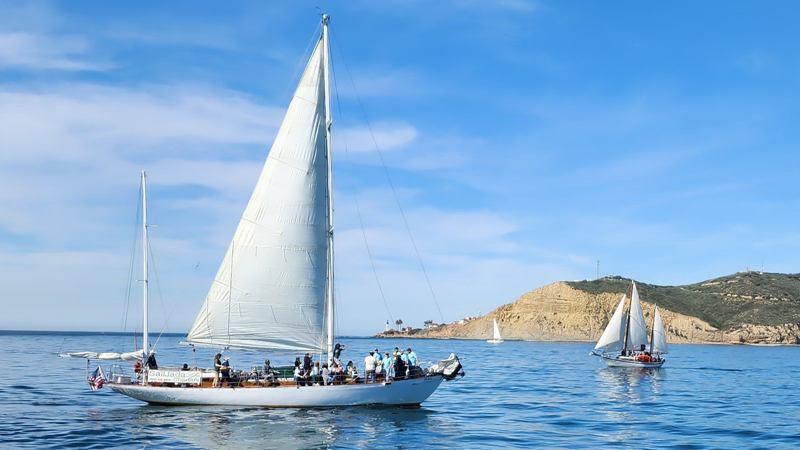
(389, 178)
(129, 287)
(355, 196)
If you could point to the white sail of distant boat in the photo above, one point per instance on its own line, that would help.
(275, 286)
(624, 340)
(497, 338)
(637, 331)
(614, 334)
(658, 343)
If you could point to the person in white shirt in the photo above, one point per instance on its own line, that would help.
(325, 374)
(369, 367)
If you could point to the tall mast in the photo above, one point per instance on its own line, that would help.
(329, 197)
(653, 331)
(144, 279)
(627, 324)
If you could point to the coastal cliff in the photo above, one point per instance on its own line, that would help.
(748, 307)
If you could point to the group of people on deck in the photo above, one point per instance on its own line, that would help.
(401, 365)
(642, 354)
(377, 368)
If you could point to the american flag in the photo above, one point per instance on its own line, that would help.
(98, 379)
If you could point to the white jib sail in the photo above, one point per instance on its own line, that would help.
(637, 332)
(270, 288)
(659, 335)
(611, 340)
(497, 332)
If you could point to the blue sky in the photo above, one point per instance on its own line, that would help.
(526, 140)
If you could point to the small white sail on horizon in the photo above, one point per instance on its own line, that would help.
(496, 339)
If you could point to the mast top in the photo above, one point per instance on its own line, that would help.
(325, 19)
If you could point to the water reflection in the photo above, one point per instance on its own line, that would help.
(205, 427)
(631, 385)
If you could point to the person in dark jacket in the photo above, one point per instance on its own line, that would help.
(151, 361)
(399, 365)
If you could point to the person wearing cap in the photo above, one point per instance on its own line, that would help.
(151, 361)
(377, 355)
(226, 372)
(217, 368)
(307, 363)
(298, 376)
(399, 364)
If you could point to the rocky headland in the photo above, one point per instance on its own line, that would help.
(744, 308)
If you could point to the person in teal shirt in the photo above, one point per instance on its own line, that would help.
(388, 369)
(377, 356)
(412, 358)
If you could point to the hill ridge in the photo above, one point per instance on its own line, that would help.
(746, 307)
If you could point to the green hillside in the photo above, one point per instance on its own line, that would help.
(725, 303)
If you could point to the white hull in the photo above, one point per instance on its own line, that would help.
(495, 341)
(630, 363)
(402, 392)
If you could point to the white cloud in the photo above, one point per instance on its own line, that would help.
(74, 122)
(24, 50)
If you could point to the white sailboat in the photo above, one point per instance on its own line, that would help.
(497, 339)
(275, 286)
(624, 341)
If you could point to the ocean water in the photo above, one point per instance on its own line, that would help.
(515, 395)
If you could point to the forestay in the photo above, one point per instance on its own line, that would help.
(614, 334)
(637, 331)
(269, 291)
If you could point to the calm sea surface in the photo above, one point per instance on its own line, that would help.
(515, 395)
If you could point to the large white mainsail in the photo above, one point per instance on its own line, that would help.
(497, 336)
(659, 344)
(637, 331)
(614, 334)
(269, 291)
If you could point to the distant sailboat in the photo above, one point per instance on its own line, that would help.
(624, 341)
(497, 338)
